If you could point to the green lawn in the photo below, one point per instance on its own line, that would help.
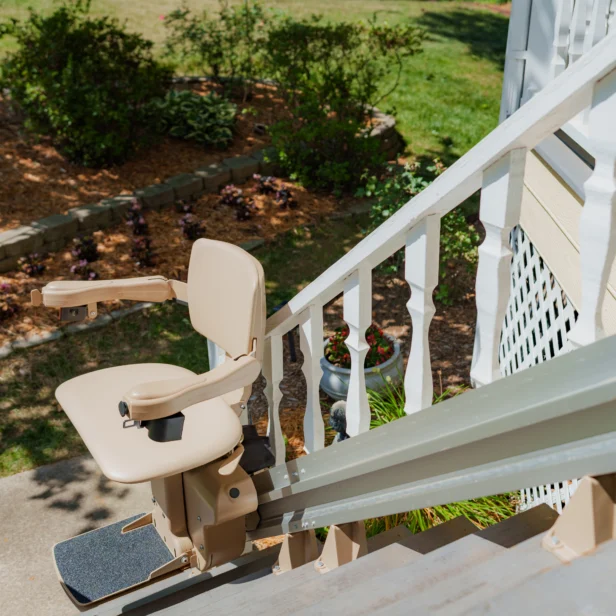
(449, 95)
(33, 428)
(448, 100)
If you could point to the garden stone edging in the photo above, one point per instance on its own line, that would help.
(54, 232)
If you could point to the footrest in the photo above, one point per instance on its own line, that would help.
(104, 562)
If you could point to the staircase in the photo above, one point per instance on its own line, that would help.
(450, 569)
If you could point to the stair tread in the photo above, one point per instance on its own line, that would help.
(252, 568)
(386, 589)
(584, 586)
(277, 583)
(478, 583)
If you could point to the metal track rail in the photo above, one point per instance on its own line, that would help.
(552, 421)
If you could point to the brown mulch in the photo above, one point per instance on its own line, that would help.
(171, 248)
(37, 181)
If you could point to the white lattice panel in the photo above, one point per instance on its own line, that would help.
(536, 326)
(539, 314)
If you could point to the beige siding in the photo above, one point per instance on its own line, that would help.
(550, 216)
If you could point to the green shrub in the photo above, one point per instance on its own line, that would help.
(459, 239)
(330, 74)
(388, 405)
(227, 46)
(83, 82)
(205, 119)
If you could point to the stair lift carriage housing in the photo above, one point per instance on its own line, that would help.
(192, 449)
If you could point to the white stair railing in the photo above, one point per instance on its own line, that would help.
(496, 164)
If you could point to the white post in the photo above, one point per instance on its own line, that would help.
(273, 372)
(358, 316)
(598, 219)
(597, 28)
(515, 58)
(579, 23)
(564, 13)
(311, 344)
(421, 273)
(499, 211)
(216, 355)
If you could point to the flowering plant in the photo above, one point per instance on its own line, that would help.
(85, 249)
(337, 352)
(31, 265)
(192, 227)
(83, 270)
(142, 252)
(234, 196)
(135, 219)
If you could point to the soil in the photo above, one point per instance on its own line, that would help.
(172, 250)
(37, 181)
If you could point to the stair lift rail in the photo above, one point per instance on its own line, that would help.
(496, 167)
(558, 418)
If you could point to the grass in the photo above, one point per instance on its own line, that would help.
(33, 428)
(388, 405)
(447, 101)
(449, 95)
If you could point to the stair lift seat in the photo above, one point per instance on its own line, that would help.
(128, 455)
(225, 293)
(201, 493)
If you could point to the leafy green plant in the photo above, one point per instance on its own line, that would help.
(205, 119)
(387, 405)
(337, 352)
(83, 82)
(458, 241)
(330, 74)
(227, 46)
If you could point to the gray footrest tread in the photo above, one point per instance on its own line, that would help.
(103, 562)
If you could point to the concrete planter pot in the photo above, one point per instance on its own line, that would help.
(335, 380)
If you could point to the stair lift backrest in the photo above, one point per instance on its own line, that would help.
(226, 297)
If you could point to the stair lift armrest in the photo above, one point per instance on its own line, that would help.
(158, 399)
(74, 293)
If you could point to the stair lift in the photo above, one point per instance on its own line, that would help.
(164, 424)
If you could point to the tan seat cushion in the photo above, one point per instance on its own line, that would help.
(128, 455)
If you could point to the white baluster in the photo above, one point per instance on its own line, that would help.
(421, 267)
(273, 372)
(579, 22)
(311, 344)
(561, 36)
(597, 28)
(515, 58)
(598, 219)
(501, 199)
(358, 316)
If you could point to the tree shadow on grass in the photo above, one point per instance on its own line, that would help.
(484, 33)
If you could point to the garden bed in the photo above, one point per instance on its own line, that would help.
(37, 181)
(171, 250)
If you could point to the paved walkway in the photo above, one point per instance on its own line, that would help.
(41, 507)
